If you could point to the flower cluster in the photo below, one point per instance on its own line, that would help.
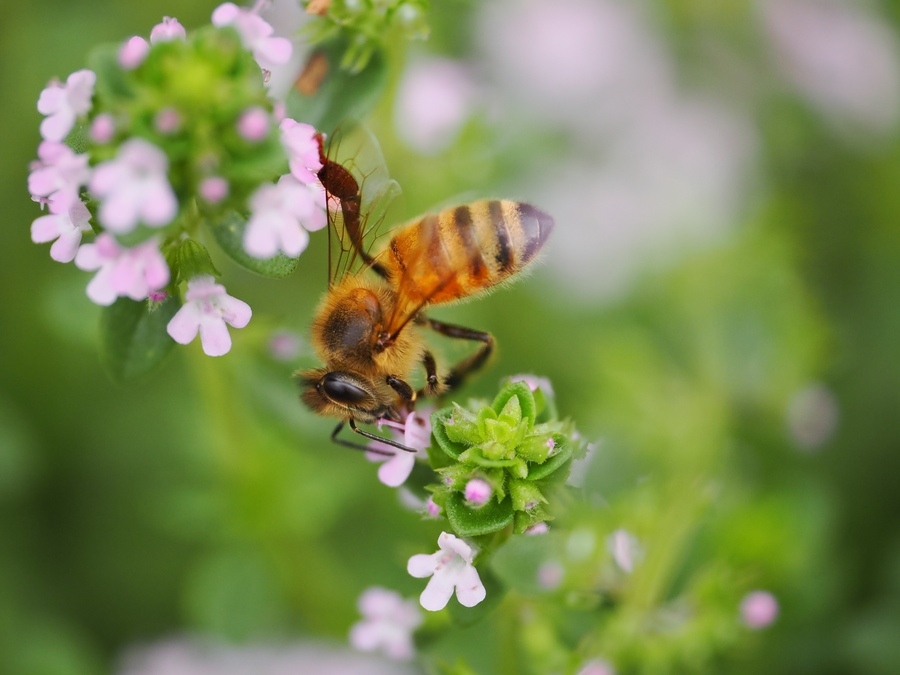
(497, 461)
(167, 140)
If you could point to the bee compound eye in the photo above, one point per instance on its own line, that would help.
(341, 391)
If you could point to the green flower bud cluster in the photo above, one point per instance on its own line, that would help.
(516, 444)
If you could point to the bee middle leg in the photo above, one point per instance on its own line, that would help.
(469, 364)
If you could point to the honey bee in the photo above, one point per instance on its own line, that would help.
(368, 328)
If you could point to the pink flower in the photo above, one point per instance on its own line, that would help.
(66, 227)
(537, 529)
(759, 609)
(255, 33)
(133, 52)
(134, 187)
(170, 29)
(303, 150)
(450, 568)
(253, 124)
(416, 434)
(279, 214)
(207, 310)
(534, 382)
(597, 667)
(103, 127)
(478, 491)
(58, 174)
(63, 103)
(213, 189)
(122, 272)
(387, 625)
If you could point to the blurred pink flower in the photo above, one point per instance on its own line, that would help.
(207, 310)
(103, 128)
(596, 667)
(450, 569)
(58, 175)
(625, 549)
(167, 30)
(303, 150)
(280, 216)
(65, 227)
(256, 34)
(840, 56)
(253, 124)
(63, 103)
(812, 416)
(435, 99)
(133, 52)
(415, 432)
(213, 189)
(759, 609)
(477, 492)
(122, 272)
(134, 188)
(550, 575)
(387, 625)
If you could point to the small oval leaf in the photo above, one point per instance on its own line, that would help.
(133, 337)
(228, 232)
(468, 522)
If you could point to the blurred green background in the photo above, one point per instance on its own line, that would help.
(717, 308)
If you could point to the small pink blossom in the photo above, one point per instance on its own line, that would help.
(256, 34)
(133, 52)
(303, 150)
(65, 228)
(166, 31)
(387, 625)
(207, 309)
(759, 609)
(103, 128)
(253, 124)
(122, 272)
(537, 529)
(167, 121)
(534, 382)
(64, 103)
(213, 189)
(284, 345)
(450, 568)
(550, 575)
(597, 667)
(58, 175)
(396, 467)
(432, 509)
(280, 216)
(478, 491)
(134, 188)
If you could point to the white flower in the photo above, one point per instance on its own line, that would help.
(65, 228)
(256, 34)
(123, 272)
(63, 103)
(134, 188)
(280, 216)
(387, 625)
(416, 434)
(207, 310)
(58, 174)
(625, 549)
(450, 569)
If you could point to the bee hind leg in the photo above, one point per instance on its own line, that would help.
(432, 382)
(470, 364)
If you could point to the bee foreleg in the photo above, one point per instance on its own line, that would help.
(470, 364)
(355, 446)
(374, 437)
(402, 388)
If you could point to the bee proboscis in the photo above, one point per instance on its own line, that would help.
(368, 328)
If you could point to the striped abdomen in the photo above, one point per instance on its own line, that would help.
(465, 249)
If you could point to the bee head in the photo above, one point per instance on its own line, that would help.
(340, 394)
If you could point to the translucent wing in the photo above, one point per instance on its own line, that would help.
(361, 195)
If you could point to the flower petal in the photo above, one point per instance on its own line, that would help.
(437, 593)
(396, 470)
(214, 336)
(184, 325)
(422, 565)
(469, 589)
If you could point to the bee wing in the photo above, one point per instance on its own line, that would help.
(425, 269)
(361, 194)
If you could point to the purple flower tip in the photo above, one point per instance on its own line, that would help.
(759, 609)
(478, 491)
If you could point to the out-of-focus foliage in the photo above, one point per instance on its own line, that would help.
(717, 311)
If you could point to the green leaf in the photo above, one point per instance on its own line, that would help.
(192, 260)
(439, 433)
(342, 94)
(133, 337)
(468, 522)
(228, 231)
(552, 465)
(521, 391)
